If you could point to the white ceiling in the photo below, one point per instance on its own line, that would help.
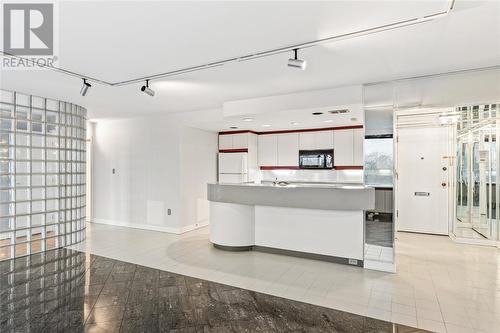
(278, 120)
(116, 41)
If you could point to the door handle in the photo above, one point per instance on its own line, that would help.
(443, 184)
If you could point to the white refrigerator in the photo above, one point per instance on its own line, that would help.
(233, 167)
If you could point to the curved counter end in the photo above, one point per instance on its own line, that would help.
(232, 226)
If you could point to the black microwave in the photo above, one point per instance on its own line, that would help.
(316, 159)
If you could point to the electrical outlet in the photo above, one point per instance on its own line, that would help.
(169, 211)
(353, 261)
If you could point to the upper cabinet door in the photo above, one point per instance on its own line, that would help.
(268, 150)
(359, 138)
(226, 141)
(343, 147)
(240, 140)
(307, 140)
(324, 139)
(288, 149)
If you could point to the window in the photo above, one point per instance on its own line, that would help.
(379, 161)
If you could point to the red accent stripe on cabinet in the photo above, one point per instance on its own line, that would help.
(237, 132)
(348, 167)
(295, 130)
(271, 167)
(311, 130)
(239, 150)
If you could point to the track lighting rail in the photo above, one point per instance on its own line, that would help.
(266, 53)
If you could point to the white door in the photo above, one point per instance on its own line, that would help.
(228, 178)
(422, 180)
(358, 139)
(233, 163)
(307, 141)
(240, 141)
(268, 150)
(225, 141)
(343, 145)
(288, 149)
(324, 139)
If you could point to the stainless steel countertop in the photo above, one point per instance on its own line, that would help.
(296, 195)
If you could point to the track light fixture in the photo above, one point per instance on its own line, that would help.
(85, 87)
(296, 62)
(147, 90)
(439, 14)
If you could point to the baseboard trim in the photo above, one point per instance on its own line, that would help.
(195, 226)
(292, 253)
(474, 241)
(150, 227)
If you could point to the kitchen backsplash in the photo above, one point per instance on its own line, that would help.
(331, 176)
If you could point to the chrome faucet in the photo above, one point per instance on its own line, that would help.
(275, 181)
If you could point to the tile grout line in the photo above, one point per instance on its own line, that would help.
(97, 298)
(126, 301)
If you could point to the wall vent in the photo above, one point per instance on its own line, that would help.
(339, 111)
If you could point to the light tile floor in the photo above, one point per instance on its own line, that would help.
(440, 285)
(380, 253)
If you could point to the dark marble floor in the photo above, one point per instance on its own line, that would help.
(69, 291)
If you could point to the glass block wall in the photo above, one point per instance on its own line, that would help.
(42, 174)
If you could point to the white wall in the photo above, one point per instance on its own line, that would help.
(88, 170)
(153, 157)
(199, 166)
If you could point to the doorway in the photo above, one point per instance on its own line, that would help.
(476, 190)
(423, 163)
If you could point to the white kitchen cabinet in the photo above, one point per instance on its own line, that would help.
(225, 141)
(307, 140)
(379, 201)
(233, 141)
(240, 141)
(316, 140)
(268, 150)
(324, 139)
(358, 139)
(288, 149)
(383, 200)
(343, 144)
(389, 199)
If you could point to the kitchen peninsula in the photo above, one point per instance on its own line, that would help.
(321, 221)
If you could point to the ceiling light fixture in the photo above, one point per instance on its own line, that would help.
(328, 121)
(247, 119)
(260, 54)
(85, 87)
(233, 127)
(294, 123)
(266, 125)
(147, 90)
(296, 62)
